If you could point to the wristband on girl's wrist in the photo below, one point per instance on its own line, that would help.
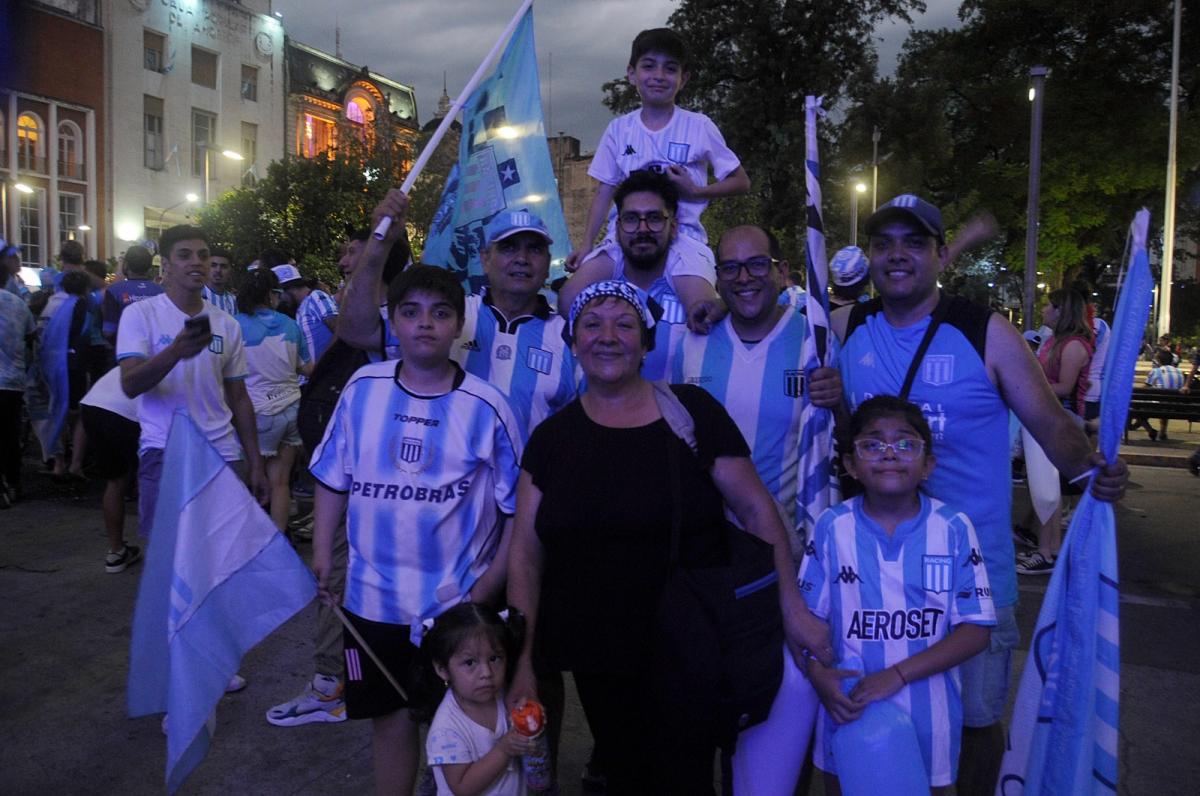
(899, 673)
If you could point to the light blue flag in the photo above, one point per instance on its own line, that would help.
(218, 579)
(503, 164)
(1063, 738)
(49, 393)
(817, 489)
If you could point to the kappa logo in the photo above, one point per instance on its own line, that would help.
(847, 575)
(937, 370)
(867, 360)
(629, 150)
(810, 549)
(165, 339)
(975, 559)
(217, 344)
(539, 359)
(793, 383)
(936, 571)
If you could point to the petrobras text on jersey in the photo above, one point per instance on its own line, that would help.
(408, 492)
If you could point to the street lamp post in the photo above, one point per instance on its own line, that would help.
(859, 188)
(209, 147)
(1038, 75)
(191, 197)
(875, 136)
(1168, 258)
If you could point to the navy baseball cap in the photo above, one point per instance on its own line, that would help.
(909, 207)
(509, 223)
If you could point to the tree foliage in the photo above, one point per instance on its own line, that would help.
(308, 206)
(956, 122)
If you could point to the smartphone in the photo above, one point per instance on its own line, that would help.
(200, 322)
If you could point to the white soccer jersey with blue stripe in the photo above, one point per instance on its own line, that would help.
(887, 598)
(429, 481)
(226, 301)
(1166, 377)
(316, 307)
(526, 358)
(762, 387)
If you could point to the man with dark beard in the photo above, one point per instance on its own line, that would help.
(645, 256)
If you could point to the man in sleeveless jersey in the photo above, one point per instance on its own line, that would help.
(975, 368)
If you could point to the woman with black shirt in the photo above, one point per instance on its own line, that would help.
(591, 540)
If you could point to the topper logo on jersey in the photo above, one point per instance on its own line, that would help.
(793, 383)
(915, 623)
(539, 359)
(936, 572)
(937, 370)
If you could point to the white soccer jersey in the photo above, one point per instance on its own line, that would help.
(196, 385)
(762, 388)
(1095, 370)
(526, 358)
(690, 140)
(1166, 377)
(429, 481)
(274, 350)
(310, 315)
(887, 598)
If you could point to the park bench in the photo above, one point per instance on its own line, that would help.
(1150, 403)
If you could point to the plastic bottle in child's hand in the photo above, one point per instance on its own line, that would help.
(529, 719)
(878, 752)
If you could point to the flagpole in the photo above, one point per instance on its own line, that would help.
(452, 114)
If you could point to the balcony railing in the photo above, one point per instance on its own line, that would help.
(71, 170)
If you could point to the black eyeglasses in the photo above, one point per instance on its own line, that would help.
(655, 222)
(728, 270)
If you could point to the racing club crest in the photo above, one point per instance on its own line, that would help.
(937, 572)
(937, 370)
(409, 454)
(793, 383)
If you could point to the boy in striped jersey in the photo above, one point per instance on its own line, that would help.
(900, 579)
(423, 458)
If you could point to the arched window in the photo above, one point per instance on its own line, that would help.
(355, 111)
(70, 163)
(31, 144)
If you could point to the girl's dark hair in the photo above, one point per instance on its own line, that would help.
(256, 290)
(449, 632)
(887, 406)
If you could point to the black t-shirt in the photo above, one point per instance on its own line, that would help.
(605, 522)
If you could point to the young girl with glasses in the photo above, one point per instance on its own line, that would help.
(900, 579)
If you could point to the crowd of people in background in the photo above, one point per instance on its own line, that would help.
(520, 447)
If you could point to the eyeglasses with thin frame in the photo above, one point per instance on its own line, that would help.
(872, 450)
(728, 270)
(631, 222)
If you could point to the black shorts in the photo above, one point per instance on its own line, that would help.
(113, 440)
(368, 693)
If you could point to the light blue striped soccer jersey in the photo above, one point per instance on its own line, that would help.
(1166, 377)
(429, 480)
(762, 388)
(316, 307)
(888, 598)
(226, 301)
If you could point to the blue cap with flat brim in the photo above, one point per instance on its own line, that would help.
(912, 208)
(510, 222)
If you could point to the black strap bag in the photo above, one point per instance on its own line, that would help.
(718, 661)
(320, 394)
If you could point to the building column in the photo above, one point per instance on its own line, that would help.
(14, 200)
(90, 211)
(52, 216)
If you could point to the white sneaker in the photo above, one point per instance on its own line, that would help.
(321, 701)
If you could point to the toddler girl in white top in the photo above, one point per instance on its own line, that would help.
(472, 746)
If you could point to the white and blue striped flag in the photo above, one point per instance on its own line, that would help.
(503, 164)
(1063, 737)
(817, 489)
(219, 578)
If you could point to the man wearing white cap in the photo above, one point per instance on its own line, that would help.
(316, 311)
(848, 277)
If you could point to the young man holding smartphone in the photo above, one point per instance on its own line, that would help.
(177, 352)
